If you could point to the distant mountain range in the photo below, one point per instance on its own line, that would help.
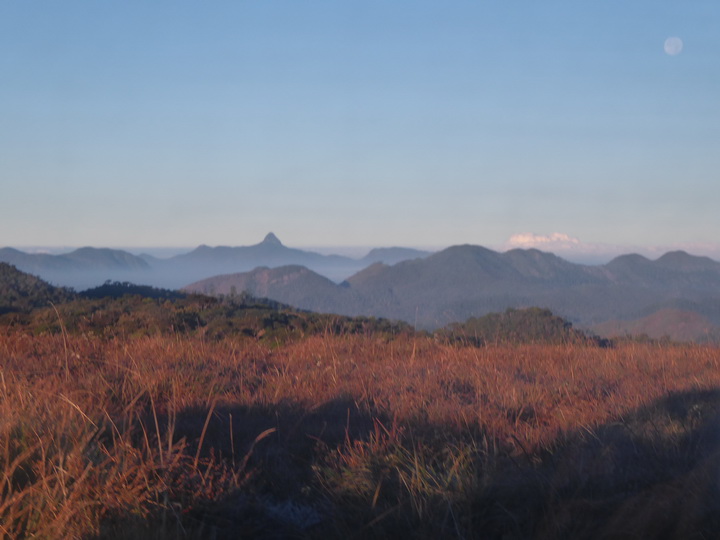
(81, 260)
(630, 294)
(82, 268)
(470, 281)
(89, 267)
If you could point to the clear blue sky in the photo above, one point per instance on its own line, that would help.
(358, 122)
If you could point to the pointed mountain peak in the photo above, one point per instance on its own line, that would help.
(270, 238)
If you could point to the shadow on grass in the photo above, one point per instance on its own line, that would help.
(655, 473)
(335, 471)
(268, 455)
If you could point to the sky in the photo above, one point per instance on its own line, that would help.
(361, 123)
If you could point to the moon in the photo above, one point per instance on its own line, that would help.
(673, 46)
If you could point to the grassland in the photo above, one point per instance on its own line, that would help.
(355, 436)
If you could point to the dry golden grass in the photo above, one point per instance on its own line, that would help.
(168, 437)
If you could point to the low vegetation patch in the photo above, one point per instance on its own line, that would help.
(529, 325)
(124, 310)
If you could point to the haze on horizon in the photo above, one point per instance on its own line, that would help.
(554, 125)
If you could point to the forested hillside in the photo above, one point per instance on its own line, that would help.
(21, 292)
(126, 310)
(530, 325)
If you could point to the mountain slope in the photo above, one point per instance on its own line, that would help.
(676, 324)
(470, 281)
(392, 255)
(465, 281)
(89, 258)
(21, 292)
(292, 285)
(675, 270)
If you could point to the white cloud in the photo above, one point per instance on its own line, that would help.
(575, 250)
(555, 240)
(566, 246)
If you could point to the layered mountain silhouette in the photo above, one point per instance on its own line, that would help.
(82, 259)
(629, 294)
(205, 260)
(80, 268)
(470, 281)
(89, 267)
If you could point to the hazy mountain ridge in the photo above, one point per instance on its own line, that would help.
(81, 268)
(427, 289)
(393, 255)
(88, 267)
(470, 281)
(81, 259)
(205, 261)
(270, 249)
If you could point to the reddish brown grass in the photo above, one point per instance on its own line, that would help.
(157, 432)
